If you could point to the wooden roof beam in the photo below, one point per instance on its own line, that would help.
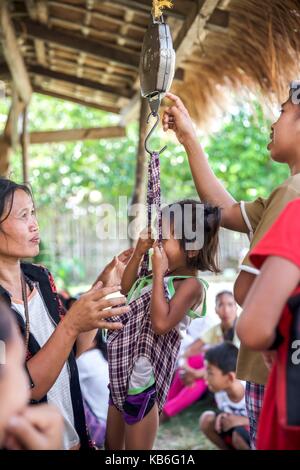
(80, 44)
(84, 82)
(38, 11)
(73, 135)
(73, 99)
(143, 7)
(13, 55)
(96, 15)
(218, 22)
(193, 27)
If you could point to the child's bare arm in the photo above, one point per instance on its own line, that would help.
(207, 184)
(269, 293)
(166, 315)
(130, 274)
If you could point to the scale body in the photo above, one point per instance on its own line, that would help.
(157, 64)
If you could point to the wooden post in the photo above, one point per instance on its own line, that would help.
(12, 54)
(138, 196)
(5, 151)
(25, 146)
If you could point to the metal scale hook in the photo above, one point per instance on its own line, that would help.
(148, 150)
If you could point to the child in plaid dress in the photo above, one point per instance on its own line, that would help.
(142, 356)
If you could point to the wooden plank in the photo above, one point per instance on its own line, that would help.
(144, 7)
(91, 84)
(105, 34)
(80, 44)
(193, 27)
(72, 135)
(13, 55)
(73, 99)
(219, 21)
(97, 15)
(5, 153)
(38, 10)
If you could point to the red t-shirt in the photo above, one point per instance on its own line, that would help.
(279, 425)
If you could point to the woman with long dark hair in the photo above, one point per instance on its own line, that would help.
(52, 345)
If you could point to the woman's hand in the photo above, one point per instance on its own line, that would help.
(177, 119)
(92, 309)
(145, 242)
(37, 428)
(159, 261)
(113, 272)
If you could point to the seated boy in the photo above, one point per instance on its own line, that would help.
(228, 428)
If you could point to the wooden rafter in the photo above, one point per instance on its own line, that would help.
(75, 43)
(81, 101)
(38, 11)
(193, 27)
(13, 55)
(73, 135)
(83, 82)
(97, 15)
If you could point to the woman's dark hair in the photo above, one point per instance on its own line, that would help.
(7, 193)
(100, 344)
(224, 357)
(223, 292)
(206, 258)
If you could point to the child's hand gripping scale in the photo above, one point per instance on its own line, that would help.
(157, 64)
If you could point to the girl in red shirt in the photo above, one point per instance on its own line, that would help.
(271, 322)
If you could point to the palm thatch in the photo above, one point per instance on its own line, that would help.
(258, 54)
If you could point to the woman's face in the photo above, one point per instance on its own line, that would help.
(19, 233)
(14, 384)
(226, 309)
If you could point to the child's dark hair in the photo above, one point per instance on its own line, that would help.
(7, 193)
(206, 258)
(223, 292)
(224, 357)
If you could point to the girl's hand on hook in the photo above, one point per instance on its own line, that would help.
(177, 119)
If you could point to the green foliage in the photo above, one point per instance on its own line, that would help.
(239, 157)
(69, 175)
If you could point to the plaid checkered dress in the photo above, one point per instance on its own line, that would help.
(137, 337)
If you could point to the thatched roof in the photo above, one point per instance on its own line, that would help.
(87, 51)
(259, 53)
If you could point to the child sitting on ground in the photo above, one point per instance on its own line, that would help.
(228, 428)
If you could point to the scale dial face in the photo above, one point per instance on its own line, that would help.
(157, 64)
